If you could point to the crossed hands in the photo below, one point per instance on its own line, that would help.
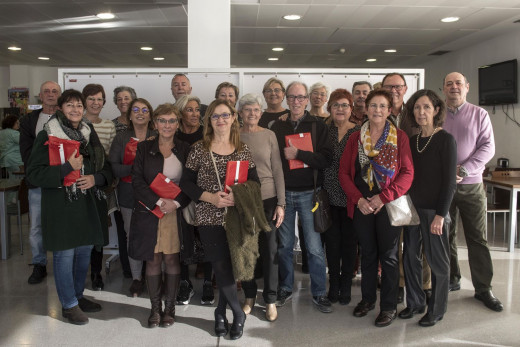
(370, 205)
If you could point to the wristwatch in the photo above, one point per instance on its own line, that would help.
(282, 206)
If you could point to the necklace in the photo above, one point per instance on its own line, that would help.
(427, 143)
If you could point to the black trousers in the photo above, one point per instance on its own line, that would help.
(268, 260)
(437, 251)
(122, 242)
(378, 239)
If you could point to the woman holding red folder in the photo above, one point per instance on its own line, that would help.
(155, 240)
(74, 218)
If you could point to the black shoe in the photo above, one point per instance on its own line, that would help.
(208, 296)
(400, 295)
(428, 294)
(282, 297)
(385, 318)
(221, 325)
(237, 328)
(454, 286)
(333, 295)
(185, 293)
(429, 320)
(490, 301)
(136, 288)
(362, 308)
(88, 306)
(344, 299)
(409, 312)
(97, 281)
(38, 274)
(322, 303)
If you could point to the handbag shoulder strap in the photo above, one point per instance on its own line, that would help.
(216, 170)
(313, 139)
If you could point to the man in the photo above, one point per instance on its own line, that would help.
(360, 90)
(395, 83)
(472, 129)
(30, 126)
(181, 86)
(299, 185)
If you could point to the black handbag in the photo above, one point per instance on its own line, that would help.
(320, 200)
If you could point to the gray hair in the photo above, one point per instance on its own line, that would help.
(298, 83)
(184, 100)
(319, 85)
(360, 83)
(120, 89)
(249, 99)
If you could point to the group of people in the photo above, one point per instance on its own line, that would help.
(369, 148)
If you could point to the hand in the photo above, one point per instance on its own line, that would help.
(376, 203)
(230, 195)
(76, 162)
(220, 200)
(290, 151)
(283, 117)
(85, 182)
(168, 206)
(279, 214)
(436, 226)
(458, 179)
(364, 206)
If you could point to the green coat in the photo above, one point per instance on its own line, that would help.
(68, 224)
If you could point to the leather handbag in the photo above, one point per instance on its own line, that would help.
(320, 199)
(401, 212)
(189, 213)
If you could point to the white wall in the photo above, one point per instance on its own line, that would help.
(24, 76)
(467, 61)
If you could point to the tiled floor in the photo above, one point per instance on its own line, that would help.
(31, 315)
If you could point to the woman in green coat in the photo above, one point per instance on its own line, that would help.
(74, 218)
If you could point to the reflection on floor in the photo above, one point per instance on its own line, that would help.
(31, 315)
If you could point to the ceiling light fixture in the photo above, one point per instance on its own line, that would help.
(272, 59)
(43, 58)
(370, 60)
(292, 17)
(277, 49)
(450, 19)
(158, 58)
(390, 50)
(105, 15)
(14, 48)
(146, 48)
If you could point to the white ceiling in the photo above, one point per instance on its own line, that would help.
(68, 32)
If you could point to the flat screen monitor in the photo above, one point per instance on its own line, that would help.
(498, 83)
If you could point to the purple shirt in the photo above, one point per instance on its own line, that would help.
(471, 127)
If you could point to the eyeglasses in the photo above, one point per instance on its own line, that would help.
(300, 98)
(91, 99)
(143, 110)
(376, 106)
(273, 91)
(190, 109)
(321, 95)
(337, 106)
(169, 121)
(223, 116)
(397, 87)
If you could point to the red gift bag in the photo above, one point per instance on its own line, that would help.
(302, 141)
(59, 151)
(236, 172)
(129, 157)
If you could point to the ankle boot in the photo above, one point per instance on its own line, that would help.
(333, 289)
(249, 303)
(345, 286)
(154, 290)
(171, 284)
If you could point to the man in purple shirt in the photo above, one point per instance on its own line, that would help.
(471, 127)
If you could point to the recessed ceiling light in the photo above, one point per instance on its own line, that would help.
(105, 15)
(277, 49)
(43, 58)
(14, 48)
(146, 48)
(292, 17)
(371, 59)
(390, 50)
(158, 58)
(450, 19)
(272, 59)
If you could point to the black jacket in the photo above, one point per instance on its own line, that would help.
(321, 158)
(143, 228)
(27, 137)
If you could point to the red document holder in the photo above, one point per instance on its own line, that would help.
(59, 151)
(236, 172)
(129, 157)
(302, 141)
(165, 188)
(156, 211)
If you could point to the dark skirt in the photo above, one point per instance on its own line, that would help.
(215, 242)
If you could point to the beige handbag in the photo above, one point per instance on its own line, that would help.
(401, 212)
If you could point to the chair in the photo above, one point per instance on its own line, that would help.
(22, 207)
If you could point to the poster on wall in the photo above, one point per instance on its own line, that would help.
(19, 98)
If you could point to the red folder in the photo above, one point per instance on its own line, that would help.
(236, 172)
(156, 211)
(165, 188)
(129, 157)
(59, 152)
(302, 141)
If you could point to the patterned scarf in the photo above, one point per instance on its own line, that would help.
(379, 160)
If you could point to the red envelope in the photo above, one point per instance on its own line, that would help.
(236, 172)
(156, 211)
(59, 151)
(129, 157)
(302, 141)
(164, 187)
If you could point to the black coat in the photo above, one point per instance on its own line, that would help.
(27, 136)
(143, 228)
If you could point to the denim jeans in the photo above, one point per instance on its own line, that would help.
(35, 234)
(70, 272)
(301, 202)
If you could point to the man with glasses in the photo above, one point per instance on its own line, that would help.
(299, 184)
(180, 86)
(360, 90)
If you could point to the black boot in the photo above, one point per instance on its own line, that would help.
(333, 288)
(171, 286)
(154, 290)
(345, 286)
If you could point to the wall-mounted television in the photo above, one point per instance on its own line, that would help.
(498, 83)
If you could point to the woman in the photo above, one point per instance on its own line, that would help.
(227, 91)
(434, 153)
(152, 239)
(140, 127)
(122, 97)
(74, 218)
(94, 95)
(266, 155)
(340, 239)
(10, 156)
(221, 141)
(375, 169)
(274, 94)
(319, 94)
